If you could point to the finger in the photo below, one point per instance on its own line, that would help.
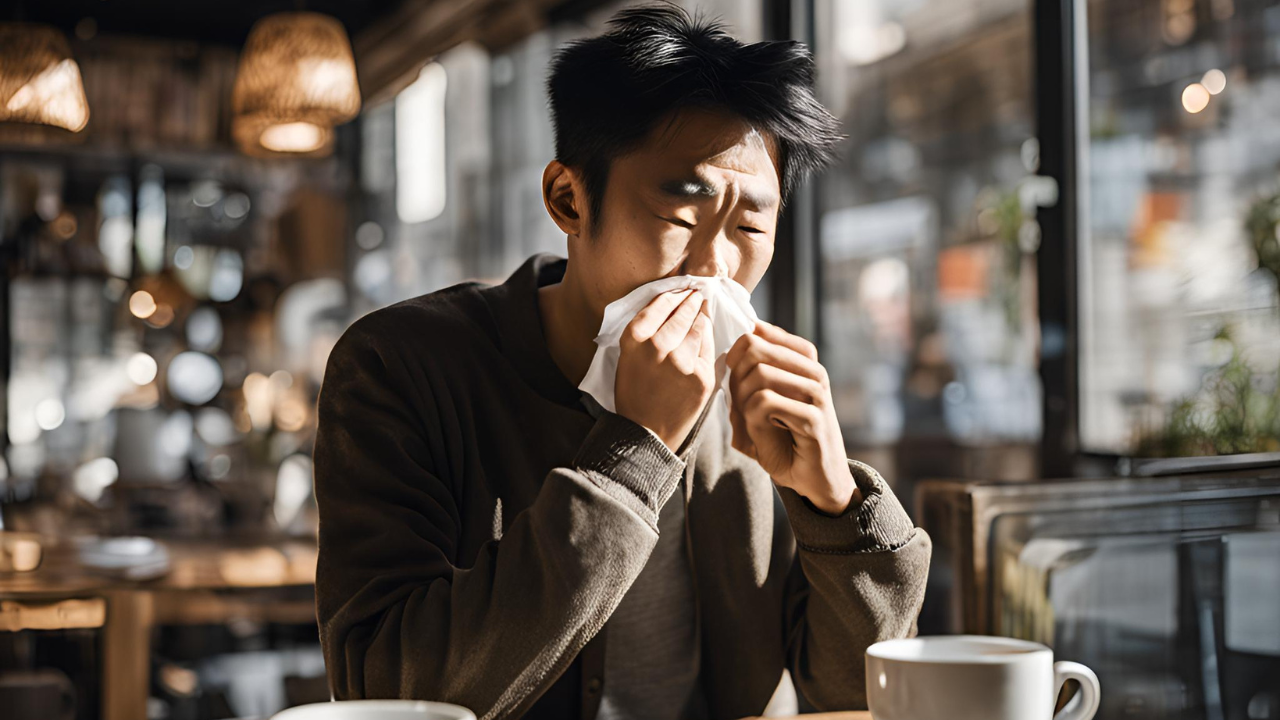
(797, 387)
(686, 355)
(652, 316)
(707, 344)
(676, 328)
(756, 350)
(741, 437)
(778, 336)
(738, 350)
(766, 407)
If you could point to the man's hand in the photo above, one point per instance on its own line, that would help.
(783, 417)
(666, 366)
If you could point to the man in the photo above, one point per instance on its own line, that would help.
(490, 536)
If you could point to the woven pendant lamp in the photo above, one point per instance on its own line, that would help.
(295, 81)
(39, 82)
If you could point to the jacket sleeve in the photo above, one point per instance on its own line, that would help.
(398, 617)
(859, 579)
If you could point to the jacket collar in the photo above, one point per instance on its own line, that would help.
(516, 314)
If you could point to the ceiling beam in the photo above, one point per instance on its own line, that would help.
(391, 51)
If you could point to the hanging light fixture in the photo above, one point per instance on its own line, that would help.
(296, 80)
(39, 82)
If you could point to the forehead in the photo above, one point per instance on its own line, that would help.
(694, 139)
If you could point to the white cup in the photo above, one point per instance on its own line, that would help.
(973, 677)
(376, 710)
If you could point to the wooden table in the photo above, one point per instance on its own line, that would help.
(208, 581)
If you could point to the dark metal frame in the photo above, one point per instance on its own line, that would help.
(795, 277)
(1057, 102)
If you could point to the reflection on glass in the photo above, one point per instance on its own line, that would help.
(1180, 334)
(927, 224)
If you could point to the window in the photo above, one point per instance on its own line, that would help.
(1180, 335)
(926, 226)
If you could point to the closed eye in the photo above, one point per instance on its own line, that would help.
(747, 228)
(680, 223)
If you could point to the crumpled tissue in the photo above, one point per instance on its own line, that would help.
(728, 304)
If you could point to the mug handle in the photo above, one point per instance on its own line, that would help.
(1085, 704)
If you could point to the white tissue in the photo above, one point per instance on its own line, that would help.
(728, 303)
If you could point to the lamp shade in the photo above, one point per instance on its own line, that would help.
(296, 80)
(39, 82)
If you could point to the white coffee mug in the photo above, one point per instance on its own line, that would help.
(376, 710)
(973, 677)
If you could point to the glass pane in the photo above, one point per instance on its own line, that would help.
(927, 222)
(1173, 602)
(1180, 334)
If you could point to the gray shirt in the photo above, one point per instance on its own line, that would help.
(651, 659)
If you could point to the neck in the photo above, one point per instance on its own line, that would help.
(569, 325)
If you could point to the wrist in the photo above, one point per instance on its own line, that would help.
(839, 493)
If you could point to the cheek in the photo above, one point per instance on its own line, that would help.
(633, 250)
(755, 258)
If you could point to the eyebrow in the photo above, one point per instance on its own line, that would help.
(697, 187)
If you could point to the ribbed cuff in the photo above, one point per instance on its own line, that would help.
(630, 463)
(876, 524)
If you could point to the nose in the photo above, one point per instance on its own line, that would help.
(710, 250)
(708, 256)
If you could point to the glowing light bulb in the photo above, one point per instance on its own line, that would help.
(292, 137)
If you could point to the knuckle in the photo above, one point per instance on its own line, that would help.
(816, 391)
(824, 378)
(809, 348)
(653, 347)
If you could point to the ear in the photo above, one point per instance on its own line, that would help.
(564, 195)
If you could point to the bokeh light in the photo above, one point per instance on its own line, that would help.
(141, 368)
(1215, 81)
(183, 257)
(204, 329)
(92, 478)
(1195, 98)
(194, 377)
(162, 316)
(50, 413)
(142, 304)
(369, 235)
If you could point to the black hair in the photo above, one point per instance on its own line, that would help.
(608, 92)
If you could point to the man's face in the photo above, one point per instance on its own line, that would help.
(699, 197)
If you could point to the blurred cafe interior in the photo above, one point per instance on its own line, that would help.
(1043, 275)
